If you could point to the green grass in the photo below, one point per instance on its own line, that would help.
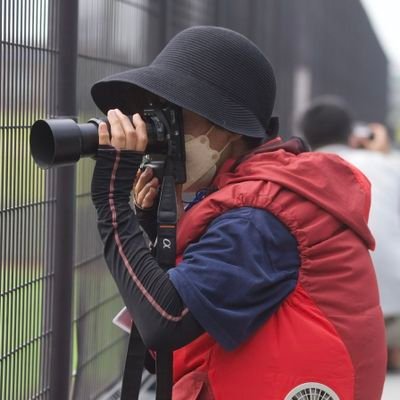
(22, 322)
(25, 312)
(21, 181)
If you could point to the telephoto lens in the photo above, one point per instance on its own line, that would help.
(58, 142)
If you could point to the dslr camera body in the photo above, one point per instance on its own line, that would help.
(59, 142)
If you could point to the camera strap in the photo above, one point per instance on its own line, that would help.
(165, 254)
(166, 224)
(167, 217)
(134, 362)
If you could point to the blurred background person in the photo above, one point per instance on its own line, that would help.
(328, 126)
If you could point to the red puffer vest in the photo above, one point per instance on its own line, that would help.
(330, 330)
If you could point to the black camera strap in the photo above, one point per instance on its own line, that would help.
(134, 362)
(164, 361)
(165, 254)
(166, 224)
(167, 217)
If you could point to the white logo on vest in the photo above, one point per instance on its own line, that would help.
(312, 390)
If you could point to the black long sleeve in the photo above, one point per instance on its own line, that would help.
(147, 219)
(156, 307)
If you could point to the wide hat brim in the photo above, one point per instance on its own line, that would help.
(127, 92)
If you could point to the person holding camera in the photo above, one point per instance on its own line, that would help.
(328, 127)
(272, 293)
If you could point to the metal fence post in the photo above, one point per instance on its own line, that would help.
(65, 208)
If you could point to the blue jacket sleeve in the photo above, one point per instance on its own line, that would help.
(239, 272)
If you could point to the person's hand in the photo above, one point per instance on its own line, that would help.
(146, 189)
(125, 134)
(380, 140)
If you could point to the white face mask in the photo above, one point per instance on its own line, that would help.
(201, 161)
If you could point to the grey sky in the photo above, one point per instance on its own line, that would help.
(384, 15)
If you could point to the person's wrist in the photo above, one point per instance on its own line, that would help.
(114, 173)
(140, 208)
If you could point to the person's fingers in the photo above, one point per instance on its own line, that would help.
(363, 142)
(127, 135)
(129, 130)
(142, 179)
(150, 198)
(141, 132)
(378, 129)
(380, 140)
(104, 135)
(141, 195)
(117, 133)
(139, 198)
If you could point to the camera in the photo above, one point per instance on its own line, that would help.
(362, 130)
(59, 142)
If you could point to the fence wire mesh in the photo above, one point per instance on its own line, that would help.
(28, 68)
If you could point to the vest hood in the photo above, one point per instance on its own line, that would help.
(324, 179)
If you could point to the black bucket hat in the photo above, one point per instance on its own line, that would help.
(211, 71)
